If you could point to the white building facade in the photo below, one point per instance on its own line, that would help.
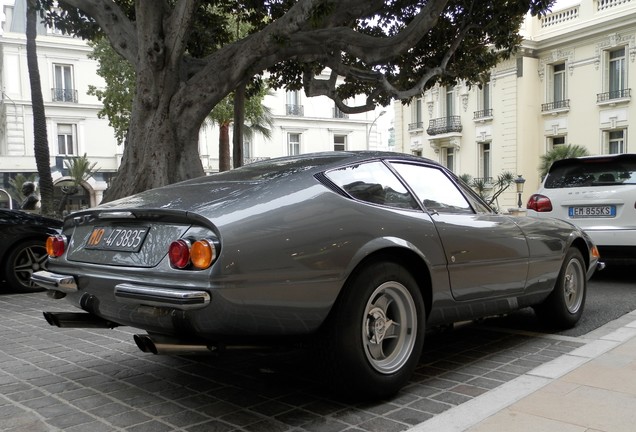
(568, 84)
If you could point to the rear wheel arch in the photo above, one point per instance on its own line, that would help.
(408, 259)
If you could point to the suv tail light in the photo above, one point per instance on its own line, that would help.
(539, 203)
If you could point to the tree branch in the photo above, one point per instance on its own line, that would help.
(122, 32)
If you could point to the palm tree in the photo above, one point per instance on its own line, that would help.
(558, 153)
(79, 169)
(258, 120)
(40, 141)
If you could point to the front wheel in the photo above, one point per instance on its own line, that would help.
(564, 306)
(375, 333)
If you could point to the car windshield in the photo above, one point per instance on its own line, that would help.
(591, 172)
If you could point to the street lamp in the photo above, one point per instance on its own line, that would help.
(380, 114)
(519, 181)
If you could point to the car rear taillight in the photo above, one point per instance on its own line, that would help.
(202, 253)
(539, 203)
(199, 254)
(55, 245)
(179, 253)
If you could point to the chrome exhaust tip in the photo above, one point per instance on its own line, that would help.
(169, 346)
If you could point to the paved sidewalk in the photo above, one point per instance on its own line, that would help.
(590, 389)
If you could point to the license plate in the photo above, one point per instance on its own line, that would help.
(592, 211)
(126, 239)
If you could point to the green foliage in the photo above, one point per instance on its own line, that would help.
(80, 168)
(117, 96)
(489, 30)
(490, 192)
(560, 152)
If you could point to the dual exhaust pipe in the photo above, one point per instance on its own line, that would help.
(146, 343)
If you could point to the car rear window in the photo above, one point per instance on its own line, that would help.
(591, 172)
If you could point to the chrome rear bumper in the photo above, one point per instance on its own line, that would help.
(131, 293)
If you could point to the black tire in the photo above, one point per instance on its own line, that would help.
(564, 306)
(24, 259)
(374, 336)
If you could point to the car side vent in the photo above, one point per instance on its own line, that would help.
(322, 178)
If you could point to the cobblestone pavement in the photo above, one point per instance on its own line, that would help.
(97, 380)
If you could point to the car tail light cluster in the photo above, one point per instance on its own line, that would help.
(199, 254)
(56, 245)
(539, 203)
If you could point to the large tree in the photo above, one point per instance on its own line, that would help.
(186, 62)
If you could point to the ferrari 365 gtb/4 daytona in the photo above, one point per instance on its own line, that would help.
(359, 251)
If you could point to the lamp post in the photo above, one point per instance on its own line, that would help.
(519, 181)
(380, 114)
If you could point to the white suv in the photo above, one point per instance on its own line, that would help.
(597, 193)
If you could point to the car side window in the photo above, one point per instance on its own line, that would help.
(433, 188)
(373, 182)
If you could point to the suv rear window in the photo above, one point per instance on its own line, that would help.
(570, 173)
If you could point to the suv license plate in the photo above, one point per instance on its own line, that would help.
(592, 211)
(125, 239)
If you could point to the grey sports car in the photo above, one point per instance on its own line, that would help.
(359, 251)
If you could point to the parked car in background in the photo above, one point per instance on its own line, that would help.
(360, 252)
(597, 193)
(22, 247)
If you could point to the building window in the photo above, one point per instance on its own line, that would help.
(556, 141)
(448, 153)
(616, 73)
(293, 143)
(484, 162)
(450, 102)
(484, 102)
(337, 113)
(417, 121)
(66, 140)
(616, 142)
(63, 90)
(339, 142)
(247, 150)
(293, 106)
(558, 92)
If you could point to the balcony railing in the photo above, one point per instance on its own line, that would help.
(556, 105)
(487, 113)
(615, 94)
(295, 110)
(64, 95)
(339, 114)
(416, 125)
(444, 125)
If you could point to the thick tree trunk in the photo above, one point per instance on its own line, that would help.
(40, 140)
(224, 147)
(239, 121)
(165, 151)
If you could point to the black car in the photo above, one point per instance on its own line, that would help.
(22, 247)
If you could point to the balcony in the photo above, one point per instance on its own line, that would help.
(63, 95)
(295, 110)
(485, 114)
(615, 96)
(416, 126)
(339, 114)
(562, 105)
(444, 125)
